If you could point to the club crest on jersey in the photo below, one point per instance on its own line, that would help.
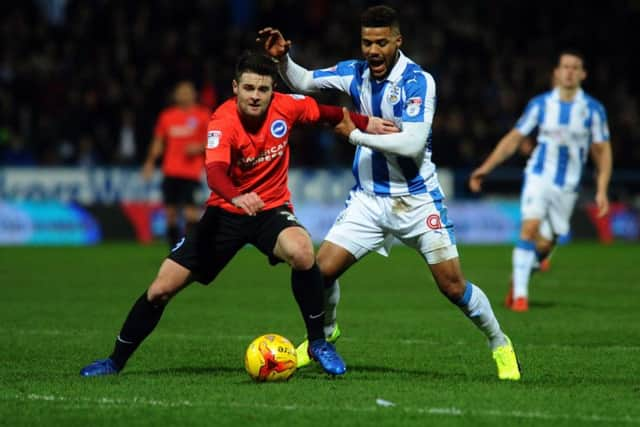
(278, 128)
(213, 138)
(394, 95)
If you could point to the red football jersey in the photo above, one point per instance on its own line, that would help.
(179, 128)
(257, 162)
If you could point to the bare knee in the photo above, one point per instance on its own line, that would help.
(171, 278)
(300, 255)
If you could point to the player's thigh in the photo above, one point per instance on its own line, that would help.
(211, 244)
(560, 211)
(269, 226)
(534, 200)
(426, 227)
(357, 228)
(294, 246)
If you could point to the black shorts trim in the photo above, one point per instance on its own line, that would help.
(220, 234)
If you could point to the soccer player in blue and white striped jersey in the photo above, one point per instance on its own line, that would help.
(570, 124)
(396, 192)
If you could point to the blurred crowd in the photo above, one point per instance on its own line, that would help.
(82, 82)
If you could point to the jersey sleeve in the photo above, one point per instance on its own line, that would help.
(160, 131)
(530, 118)
(219, 142)
(301, 109)
(599, 125)
(339, 77)
(420, 98)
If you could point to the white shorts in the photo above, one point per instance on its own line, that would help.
(547, 202)
(369, 223)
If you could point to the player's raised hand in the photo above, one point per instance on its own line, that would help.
(273, 42)
(476, 179)
(251, 203)
(381, 126)
(346, 125)
(602, 201)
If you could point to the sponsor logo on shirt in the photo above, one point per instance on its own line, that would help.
(413, 106)
(278, 128)
(297, 96)
(181, 131)
(267, 155)
(213, 138)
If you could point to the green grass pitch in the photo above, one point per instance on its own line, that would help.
(61, 308)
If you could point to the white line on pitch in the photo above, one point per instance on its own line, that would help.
(453, 412)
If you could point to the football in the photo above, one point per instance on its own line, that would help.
(270, 357)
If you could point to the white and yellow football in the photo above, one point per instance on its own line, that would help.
(270, 357)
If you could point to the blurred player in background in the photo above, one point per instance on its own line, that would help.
(570, 124)
(247, 161)
(397, 193)
(180, 134)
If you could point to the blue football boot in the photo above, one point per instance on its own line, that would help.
(99, 368)
(326, 355)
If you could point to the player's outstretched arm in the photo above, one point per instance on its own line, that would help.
(410, 141)
(503, 150)
(603, 159)
(334, 115)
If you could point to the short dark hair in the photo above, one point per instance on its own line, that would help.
(572, 52)
(380, 16)
(261, 64)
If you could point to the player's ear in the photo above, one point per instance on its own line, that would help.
(234, 85)
(399, 40)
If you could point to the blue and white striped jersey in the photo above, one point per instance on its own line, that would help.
(566, 129)
(407, 95)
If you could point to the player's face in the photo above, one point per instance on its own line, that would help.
(569, 72)
(185, 94)
(254, 93)
(380, 48)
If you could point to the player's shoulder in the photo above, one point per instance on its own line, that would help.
(592, 101)
(288, 102)
(542, 97)
(225, 115)
(414, 77)
(345, 68)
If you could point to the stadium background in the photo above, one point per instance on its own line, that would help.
(81, 84)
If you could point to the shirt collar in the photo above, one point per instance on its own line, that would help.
(555, 95)
(396, 71)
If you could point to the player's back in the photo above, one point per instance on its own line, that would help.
(566, 129)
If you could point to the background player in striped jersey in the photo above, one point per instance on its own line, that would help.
(570, 124)
(179, 137)
(397, 193)
(247, 160)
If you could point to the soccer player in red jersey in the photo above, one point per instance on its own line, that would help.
(180, 135)
(247, 159)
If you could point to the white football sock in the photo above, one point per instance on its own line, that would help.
(331, 299)
(524, 255)
(477, 307)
